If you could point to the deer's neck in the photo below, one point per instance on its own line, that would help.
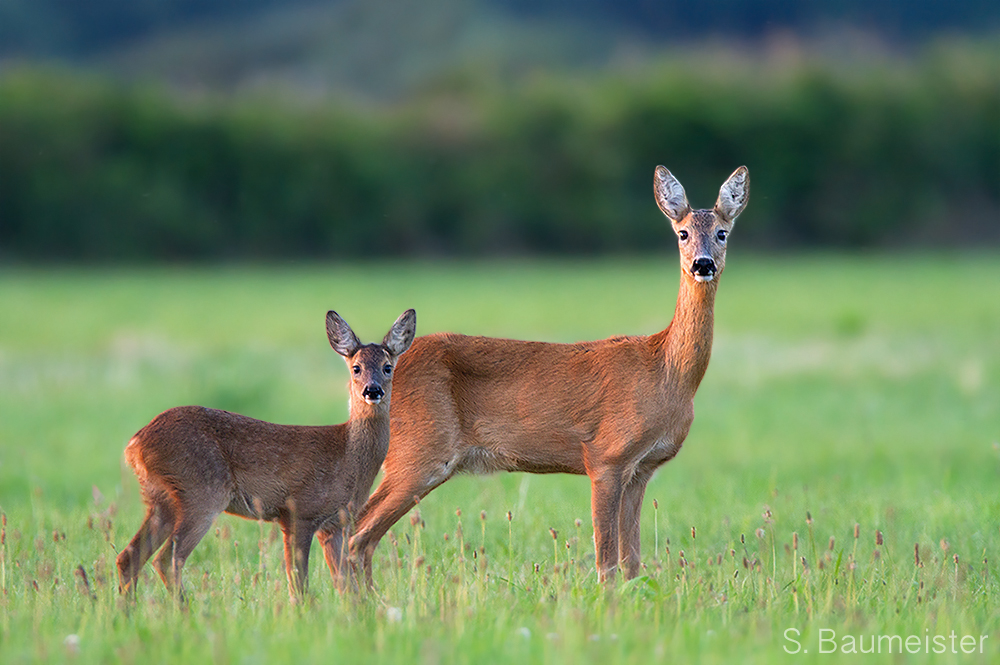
(366, 448)
(687, 341)
(368, 436)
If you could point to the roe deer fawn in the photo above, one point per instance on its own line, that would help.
(614, 409)
(194, 463)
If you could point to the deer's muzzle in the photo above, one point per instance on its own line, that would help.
(373, 393)
(703, 269)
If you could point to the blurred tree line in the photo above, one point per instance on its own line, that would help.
(72, 27)
(898, 20)
(897, 154)
(75, 28)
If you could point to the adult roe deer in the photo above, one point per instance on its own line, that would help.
(614, 409)
(194, 463)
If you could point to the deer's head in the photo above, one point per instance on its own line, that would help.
(371, 365)
(702, 234)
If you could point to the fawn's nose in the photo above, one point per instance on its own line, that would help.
(703, 267)
(373, 393)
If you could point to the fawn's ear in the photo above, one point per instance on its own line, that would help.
(400, 336)
(670, 195)
(342, 338)
(734, 194)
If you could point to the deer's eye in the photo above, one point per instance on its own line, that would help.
(356, 369)
(387, 370)
(682, 234)
(721, 235)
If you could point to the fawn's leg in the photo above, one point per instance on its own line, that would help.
(334, 540)
(298, 536)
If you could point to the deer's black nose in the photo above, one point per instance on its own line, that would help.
(704, 267)
(373, 393)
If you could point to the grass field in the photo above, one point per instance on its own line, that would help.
(846, 395)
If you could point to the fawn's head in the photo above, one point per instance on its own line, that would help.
(702, 234)
(371, 365)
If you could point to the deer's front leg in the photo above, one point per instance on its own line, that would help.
(398, 492)
(334, 542)
(628, 524)
(605, 502)
(298, 537)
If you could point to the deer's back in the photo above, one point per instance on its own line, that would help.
(255, 461)
(527, 406)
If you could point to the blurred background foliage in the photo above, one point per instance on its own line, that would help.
(257, 129)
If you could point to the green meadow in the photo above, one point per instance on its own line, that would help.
(837, 493)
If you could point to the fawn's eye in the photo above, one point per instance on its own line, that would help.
(721, 235)
(356, 369)
(682, 234)
(387, 370)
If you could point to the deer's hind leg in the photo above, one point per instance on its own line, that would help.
(156, 527)
(195, 514)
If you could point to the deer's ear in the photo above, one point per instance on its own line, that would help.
(400, 336)
(670, 195)
(734, 194)
(342, 338)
